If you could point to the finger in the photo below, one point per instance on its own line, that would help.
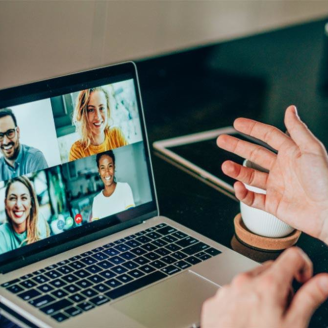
(299, 132)
(246, 175)
(248, 197)
(260, 269)
(293, 263)
(267, 133)
(307, 300)
(255, 153)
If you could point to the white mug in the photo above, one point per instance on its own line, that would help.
(258, 221)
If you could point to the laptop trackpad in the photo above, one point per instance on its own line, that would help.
(176, 302)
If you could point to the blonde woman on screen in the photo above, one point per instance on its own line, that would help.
(91, 116)
(23, 224)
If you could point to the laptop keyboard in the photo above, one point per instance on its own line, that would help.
(83, 282)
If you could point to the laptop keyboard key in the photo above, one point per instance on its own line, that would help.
(84, 283)
(85, 306)
(149, 247)
(135, 285)
(195, 248)
(141, 260)
(147, 268)
(41, 301)
(108, 274)
(57, 306)
(101, 288)
(182, 265)
(69, 278)
(45, 288)
(203, 256)
(128, 256)
(99, 300)
(59, 293)
(187, 241)
(154, 235)
(124, 278)
(29, 294)
(179, 255)
(168, 259)
(100, 256)
(9, 283)
(105, 264)
(116, 260)
(158, 264)
(15, 289)
(65, 269)
(113, 283)
(89, 260)
(179, 235)
(152, 256)
(138, 251)
(159, 242)
(111, 252)
(93, 268)
(28, 284)
(82, 273)
(58, 283)
(77, 298)
(41, 279)
(212, 251)
(130, 265)
(162, 251)
(133, 243)
(119, 269)
(136, 273)
(166, 230)
(96, 279)
(170, 239)
(143, 239)
(77, 265)
(73, 311)
(53, 274)
(89, 293)
(60, 317)
(122, 248)
(72, 289)
(173, 247)
(192, 260)
(171, 269)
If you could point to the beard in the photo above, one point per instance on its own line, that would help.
(15, 154)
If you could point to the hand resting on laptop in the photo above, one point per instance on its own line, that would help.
(297, 193)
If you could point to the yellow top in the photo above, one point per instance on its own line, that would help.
(114, 138)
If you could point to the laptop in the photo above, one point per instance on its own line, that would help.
(85, 255)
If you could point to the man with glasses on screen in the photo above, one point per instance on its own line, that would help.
(17, 159)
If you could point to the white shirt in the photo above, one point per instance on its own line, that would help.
(120, 200)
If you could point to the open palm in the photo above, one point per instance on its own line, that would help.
(297, 182)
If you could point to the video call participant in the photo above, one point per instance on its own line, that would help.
(116, 196)
(18, 159)
(91, 116)
(24, 225)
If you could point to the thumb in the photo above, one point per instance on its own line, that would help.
(309, 297)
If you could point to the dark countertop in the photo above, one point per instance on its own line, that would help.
(207, 88)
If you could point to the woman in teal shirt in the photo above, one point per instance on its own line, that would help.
(23, 224)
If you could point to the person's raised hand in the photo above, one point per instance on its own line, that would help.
(263, 297)
(297, 183)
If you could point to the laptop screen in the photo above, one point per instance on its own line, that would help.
(73, 158)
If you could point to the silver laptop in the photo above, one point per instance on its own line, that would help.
(82, 241)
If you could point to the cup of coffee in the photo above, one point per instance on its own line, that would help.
(258, 221)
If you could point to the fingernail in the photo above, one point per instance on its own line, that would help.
(323, 282)
(296, 112)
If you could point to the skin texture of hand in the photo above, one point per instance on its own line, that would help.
(297, 182)
(263, 297)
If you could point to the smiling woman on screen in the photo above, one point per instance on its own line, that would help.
(23, 224)
(116, 196)
(91, 116)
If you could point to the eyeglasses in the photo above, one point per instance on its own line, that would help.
(10, 134)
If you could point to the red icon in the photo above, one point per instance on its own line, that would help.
(78, 218)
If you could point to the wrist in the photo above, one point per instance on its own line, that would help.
(323, 233)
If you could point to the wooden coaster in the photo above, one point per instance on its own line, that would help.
(260, 242)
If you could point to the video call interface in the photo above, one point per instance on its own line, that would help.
(68, 161)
